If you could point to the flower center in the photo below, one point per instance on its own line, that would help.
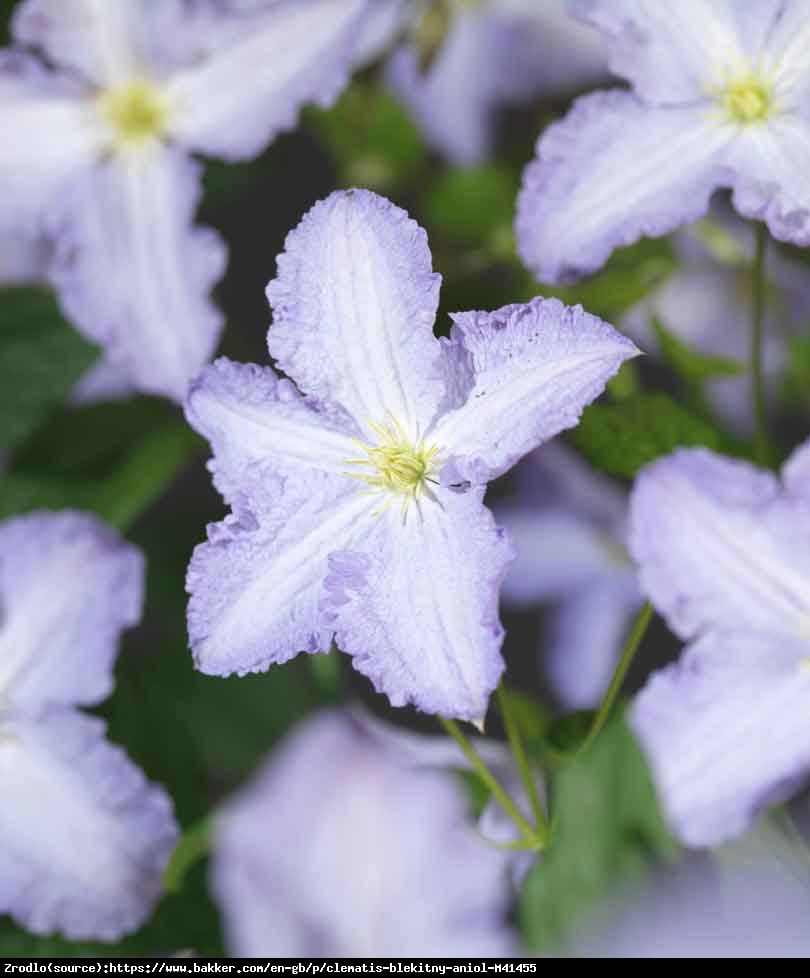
(748, 100)
(136, 111)
(396, 464)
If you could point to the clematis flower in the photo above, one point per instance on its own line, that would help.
(719, 99)
(98, 151)
(568, 526)
(84, 838)
(707, 304)
(723, 554)
(758, 910)
(390, 866)
(357, 502)
(496, 52)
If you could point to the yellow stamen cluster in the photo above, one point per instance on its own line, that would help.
(398, 464)
(748, 100)
(136, 111)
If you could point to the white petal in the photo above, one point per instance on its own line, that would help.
(535, 367)
(770, 163)
(84, 838)
(291, 53)
(96, 38)
(51, 134)
(133, 273)
(677, 50)
(68, 588)
(416, 604)
(613, 170)
(255, 586)
(353, 310)
(718, 546)
(727, 732)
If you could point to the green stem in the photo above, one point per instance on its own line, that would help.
(522, 762)
(761, 449)
(637, 633)
(528, 834)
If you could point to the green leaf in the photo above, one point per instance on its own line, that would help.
(607, 832)
(628, 277)
(144, 476)
(621, 438)
(370, 137)
(41, 358)
(475, 205)
(192, 847)
(695, 368)
(22, 493)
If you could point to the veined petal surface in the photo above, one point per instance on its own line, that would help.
(256, 583)
(417, 605)
(534, 368)
(354, 305)
(613, 170)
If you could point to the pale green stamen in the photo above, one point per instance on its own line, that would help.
(397, 464)
(136, 111)
(748, 100)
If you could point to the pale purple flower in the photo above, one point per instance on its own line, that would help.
(707, 303)
(357, 504)
(568, 525)
(496, 52)
(84, 838)
(719, 99)
(758, 910)
(724, 554)
(98, 142)
(339, 849)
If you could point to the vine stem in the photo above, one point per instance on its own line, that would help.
(528, 834)
(522, 762)
(761, 447)
(637, 633)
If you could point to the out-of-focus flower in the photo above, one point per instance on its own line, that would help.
(720, 95)
(97, 151)
(707, 304)
(724, 554)
(357, 505)
(495, 52)
(751, 911)
(568, 524)
(84, 838)
(340, 849)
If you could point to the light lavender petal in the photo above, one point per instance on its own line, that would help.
(68, 587)
(390, 867)
(85, 838)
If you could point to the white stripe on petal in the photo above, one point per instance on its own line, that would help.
(84, 838)
(416, 605)
(613, 170)
(133, 273)
(353, 310)
(255, 586)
